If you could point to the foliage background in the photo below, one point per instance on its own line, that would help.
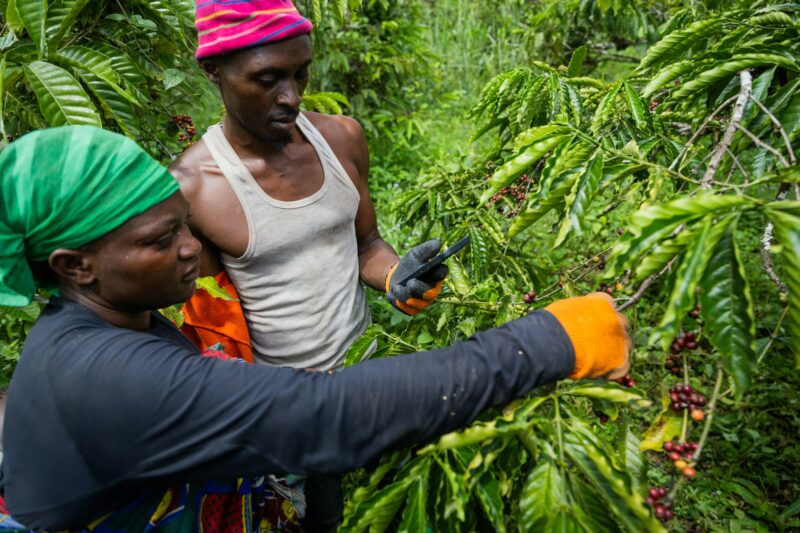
(614, 120)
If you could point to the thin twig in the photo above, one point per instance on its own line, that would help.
(746, 82)
(699, 131)
(778, 125)
(772, 337)
(712, 405)
(737, 165)
(763, 145)
(645, 285)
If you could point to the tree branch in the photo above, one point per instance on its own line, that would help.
(746, 82)
(699, 131)
(758, 142)
(645, 285)
(766, 244)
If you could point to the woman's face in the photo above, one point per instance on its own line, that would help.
(150, 262)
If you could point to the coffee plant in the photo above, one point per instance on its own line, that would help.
(645, 149)
(124, 66)
(691, 154)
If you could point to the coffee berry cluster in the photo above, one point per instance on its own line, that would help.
(515, 194)
(627, 381)
(530, 297)
(679, 454)
(686, 342)
(683, 397)
(657, 499)
(186, 128)
(609, 289)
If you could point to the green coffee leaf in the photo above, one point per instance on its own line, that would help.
(120, 109)
(490, 497)
(726, 69)
(727, 309)
(576, 61)
(544, 492)
(61, 98)
(415, 516)
(61, 16)
(784, 215)
(679, 41)
(610, 392)
(173, 78)
(639, 111)
(511, 170)
(358, 350)
(651, 225)
(689, 274)
(376, 511)
(577, 202)
(665, 427)
(613, 484)
(33, 14)
(210, 285)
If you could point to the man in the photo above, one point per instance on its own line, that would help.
(115, 423)
(283, 195)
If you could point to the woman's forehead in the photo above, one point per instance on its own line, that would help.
(164, 214)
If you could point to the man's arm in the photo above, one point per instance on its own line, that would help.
(201, 205)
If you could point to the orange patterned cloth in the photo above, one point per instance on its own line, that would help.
(209, 320)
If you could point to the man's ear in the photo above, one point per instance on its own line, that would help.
(77, 267)
(211, 69)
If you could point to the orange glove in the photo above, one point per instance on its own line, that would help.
(416, 294)
(598, 333)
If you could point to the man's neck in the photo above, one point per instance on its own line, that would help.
(244, 142)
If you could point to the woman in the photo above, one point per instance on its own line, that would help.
(113, 420)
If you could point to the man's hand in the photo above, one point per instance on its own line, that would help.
(416, 294)
(598, 333)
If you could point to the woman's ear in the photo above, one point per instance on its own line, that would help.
(73, 265)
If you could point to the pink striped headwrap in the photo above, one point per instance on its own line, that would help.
(228, 25)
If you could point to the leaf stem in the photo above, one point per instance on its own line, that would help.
(772, 336)
(685, 424)
(710, 415)
(645, 285)
(559, 431)
(777, 123)
(469, 303)
(702, 127)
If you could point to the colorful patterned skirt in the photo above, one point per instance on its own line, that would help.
(244, 506)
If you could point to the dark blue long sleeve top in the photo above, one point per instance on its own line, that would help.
(98, 413)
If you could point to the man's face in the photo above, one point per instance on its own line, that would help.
(150, 262)
(262, 87)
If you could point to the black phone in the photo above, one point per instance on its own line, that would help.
(436, 261)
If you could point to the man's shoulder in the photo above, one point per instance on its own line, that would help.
(345, 136)
(336, 126)
(189, 167)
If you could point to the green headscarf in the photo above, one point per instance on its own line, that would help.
(64, 188)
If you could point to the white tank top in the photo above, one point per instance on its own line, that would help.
(298, 280)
